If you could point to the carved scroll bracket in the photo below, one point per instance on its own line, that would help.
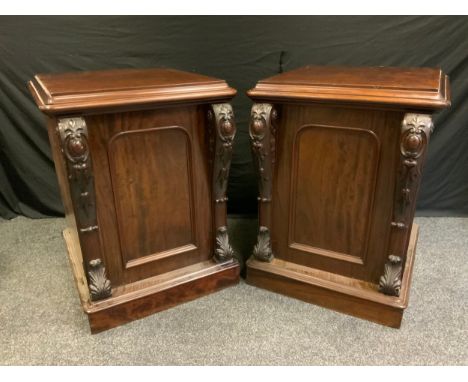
(414, 138)
(74, 138)
(222, 132)
(73, 135)
(221, 117)
(415, 132)
(99, 285)
(262, 134)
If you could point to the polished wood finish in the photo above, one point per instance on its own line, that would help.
(143, 180)
(123, 89)
(151, 295)
(330, 290)
(343, 163)
(419, 88)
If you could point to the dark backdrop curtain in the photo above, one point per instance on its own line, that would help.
(240, 50)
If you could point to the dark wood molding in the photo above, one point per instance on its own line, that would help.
(390, 281)
(99, 285)
(222, 130)
(419, 88)
(124, 89)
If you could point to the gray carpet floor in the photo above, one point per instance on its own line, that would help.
(42, 322)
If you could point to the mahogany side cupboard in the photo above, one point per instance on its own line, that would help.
(339, 153)
(142, 158)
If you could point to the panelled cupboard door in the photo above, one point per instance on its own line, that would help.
(333, 177)
(150, 204)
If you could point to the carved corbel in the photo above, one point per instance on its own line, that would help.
(415, 132)
(414, 138)
(222, 133)
(73, 135)
(74, 138)
(262, 135)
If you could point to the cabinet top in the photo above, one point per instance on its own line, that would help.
(426, 88)
(110, 89)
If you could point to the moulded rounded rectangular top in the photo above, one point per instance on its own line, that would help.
(80, 91)
(425, 88)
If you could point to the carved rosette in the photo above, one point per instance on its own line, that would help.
(223, 250)
(99, 285)
(74, 139)
(221, 118)
(262, 250)
(390, 282)
(262, 135)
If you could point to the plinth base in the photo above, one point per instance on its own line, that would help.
(143, 298)
(343, 294)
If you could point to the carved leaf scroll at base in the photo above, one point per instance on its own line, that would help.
(223, 250)
(99, 285)
(262, 250)
(390, 281)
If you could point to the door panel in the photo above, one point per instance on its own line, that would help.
(333, 186)
(153, 190)
(333, 202)
(153, 193)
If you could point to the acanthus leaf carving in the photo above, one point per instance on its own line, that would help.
(262, 250)
(99, 285)
(390, 281)
(223, 250)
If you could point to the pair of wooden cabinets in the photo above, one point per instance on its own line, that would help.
(143, 158)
